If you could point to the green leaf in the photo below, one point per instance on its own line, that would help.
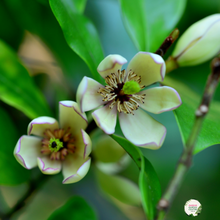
(185, 116)
(149, 22)
(148, 181)
(16, 86)
(80, 34)
(77, 5)
(75, 208)
(120, 188)
(11, 172)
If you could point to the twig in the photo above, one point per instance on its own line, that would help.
(187, 155)
(168, 42)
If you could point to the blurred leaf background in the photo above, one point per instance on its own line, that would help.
(30, 30)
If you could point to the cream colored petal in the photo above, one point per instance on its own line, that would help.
(151, 67)
(40, 124)
(71, 116)
(48, 166)
(105, 118)
(111, 64)
(83, 144)
(75, 168)
(87, 95)
(160, 99)
(27, 150)
(142, 130)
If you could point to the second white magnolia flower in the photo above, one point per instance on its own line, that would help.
(124, 94)
(54, 146)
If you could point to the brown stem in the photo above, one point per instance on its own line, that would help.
(167, 42)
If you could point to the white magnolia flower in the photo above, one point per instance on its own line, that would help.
(122, 94)
(54, 146)
(199, 43)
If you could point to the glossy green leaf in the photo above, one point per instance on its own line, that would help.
(11, 172)
(75, 208)
(185, 116)
(148, 181)
(149, 22)
(79, 5)
(80, 34)
(120, 188)
(75, 6)
(16, 86)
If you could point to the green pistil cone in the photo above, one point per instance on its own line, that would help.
(55, 145)
(131, 87)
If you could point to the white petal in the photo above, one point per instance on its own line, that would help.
(87, 95)
(40, 124)
(83, 144)
(142, 130)
(111, 64)
(151, 67)
(71, 116)
(160, 99)
(27, 150)
(48, 166)
(75, 168)
(105, 118)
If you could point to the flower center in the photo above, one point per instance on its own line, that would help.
(121, 91)
(131, 87)
(57, 144)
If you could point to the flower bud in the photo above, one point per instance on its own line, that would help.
(110, 157)
(199, 43)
